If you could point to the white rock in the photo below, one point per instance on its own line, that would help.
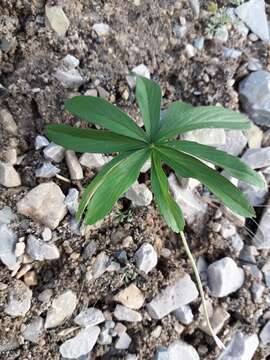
(230, 53)
(54, 152)
(19, 301)
(254, 136)
(265, 334)
(46, 234)
(101, 29)
(237, 242)
(224, 277)
(123, 313)
(123, 342)
(62, 308)
(241, 347)
(72, 200)
(190, 51)
(74, 167)
(146, 166)
(81, 344)
(235, 142)
(195, 7)
(221, 34)
(7, 247)
(254, 16)
(41, 142)
(40, 250)
(184, 314)
(100, 265)
(7, 122)
(6, 215)
(105, 338)
(131, 296)
(182, 292)
(57, 19)
(257, 158)
(47, 170)
(254, 65)
(33, 330)
(19, 249)
(92, 160)
(217, 316)
(227, 229)
(10, 156)
(199, 43)
(89, 317)
(140, 70)
(70, 79)
(70, 61)
(139, 195)
(45, 204)
(257, 291)
(178, 347)
(262, 237)
(146, 258)
(206, 136)
(8, 175)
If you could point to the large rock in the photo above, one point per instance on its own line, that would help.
(241, 347)
(19, 301)
(262, 237)
(45, 204)
(57, 19)
(255, 97)
(254, 16)
(8, 175)
(182, 292)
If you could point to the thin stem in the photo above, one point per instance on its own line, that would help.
(199, 283)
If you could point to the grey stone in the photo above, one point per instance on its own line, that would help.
(47, 170)
(70, 61)
(254, 136)
(224, 277)
(206, 136)
(74, 167)
(199, 43)
(6, 215)
(262, 237)
(62, 308)
(237, 242)
(7, 247)
(41, 142)
(266, 273)
(162, 353)
(89, 250)
(254, 93)
(72, 200)
(10, 156)
(257, 158)
(257, 291)
(217, 317)
(180, 31)
(265, 334)
(123, 313)
(92, 160)
(101, 29)
(241, 347)
(54, 152)
(139, 195)
(254, 16)
(57, 19)
(8, 175)
(45, 296)
(7, 122)
(195, 7)
(184, 314)
(19, 301)
(256, 196)
(70, 79)
(89, 317)
(123, 342)
(175, 349)
(254, 64)
(46, 234)
(146, 258)
(141, 70)
(33, 330)
(105, 338)
(80, 344)
(40, 250)
(100, 265)
(230, 53)
(235, 142)
(45, 204)
(180, 293)
(227, 228)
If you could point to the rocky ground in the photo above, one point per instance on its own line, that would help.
(115, 290)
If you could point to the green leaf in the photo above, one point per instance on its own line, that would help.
(91, 140)
(234, 166)
(99, 111)
(168, 207)
(188, 166)
(181, 117)
(148, 95)
(114, 181)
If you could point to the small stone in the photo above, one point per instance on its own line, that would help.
(123, 342)
(62, 308)
(190, 51)
(146, 258)
(89, 250)
(54, 152)
(91, 92)
(40, 250)
(57, 19)
(47, 170)
(45, 204)
(74, 167)
(262, 237)
(227, 229)
(199, 43)
(178, 347)
(81, 344)
(72, 200)
(101, 29)
(217, 316)
(92, 161)
(10, 156)
(19, 301)
(7, 247)
(139, 195)
(206, 137)
(224, 277)
(184, 314)
(6, 215)
(123, 313)
(235, 142)
(195, 7)
(19, 249)
(182, 292)
(254, 136)
(46, 234)
(257, 158)
(180, 31)
(221, 34)
(30, 278)
(257, 291)
(104, 94)
(131, 297)
(45, 296)
(230, 53)
(254, 64)
(100, 265)
(237, 242)
(265, 334)
(70, 79)
(105, 338)
(141, 70)
(89, 317)
(33, 330)
(9, 176)
(70, 62)
(241, 347)
(7, 122)
(255, 195)
(266, 272)
(41, 142)
(120, 328)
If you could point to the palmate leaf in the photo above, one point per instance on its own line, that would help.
(168, 207)
(148, 96)
(188, 166)
(234, 166)
(99, 111)
(181, 117)
(91, 140)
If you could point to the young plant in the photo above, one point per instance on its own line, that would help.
(157, 141)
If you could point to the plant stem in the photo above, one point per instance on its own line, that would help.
(201, 291)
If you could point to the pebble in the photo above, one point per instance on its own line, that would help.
(45, 296)
(72, 200)
(33, 330)
(101, 29)
(70, 62)
(195, 7)
(30, 278)
(175, 349)
(62, 308)
(206, 137)
(190, 51)
(92, 161)
(89, 250)
(123, 342)
(45, 204)
(131, 297)
(139, 195)
(7, 247)
(10, 156)
(235, 142)
(105, 338)
(184, 314)
(19, 301)
(54, 152)
(123, 313)
(89, 317)
(230, 53)
(266, 273)
(256, 196)
(6, 215)
(80, 344)
(47, 170)
(74, 167)
(70, 79)
(182, 292)
(241, 347)
(262, 237)
(19, 249)
(265, 334)
(254, 136)
(257, 291)
(100, 265)
(7, 122)
(224, 277)
(41, 142)
(199, 43)
(257, 158)
(146, 258)
(9, 176)
(141, 70)
(40, 250)
(46, 234)
(228, 229)
(180, 31)
(237, 242)
(217, 316)
(57, 19)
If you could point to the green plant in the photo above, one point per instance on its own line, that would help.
(158, 142)
(218, 19)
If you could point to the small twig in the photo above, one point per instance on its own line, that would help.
(63, 178)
